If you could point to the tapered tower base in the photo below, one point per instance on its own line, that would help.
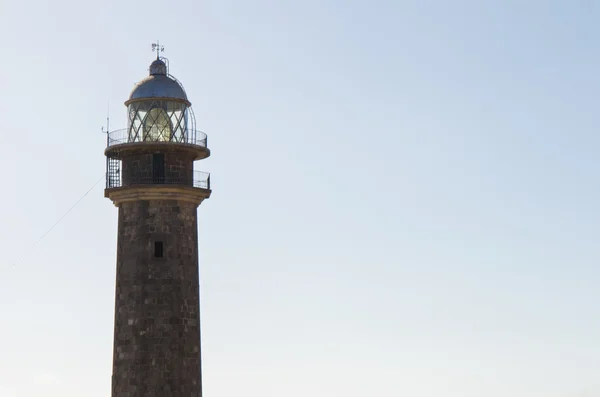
(157, 312)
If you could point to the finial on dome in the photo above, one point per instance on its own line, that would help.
(158, 67)
(158, 48)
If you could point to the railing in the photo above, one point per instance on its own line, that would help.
(198, 179)
(188, 136)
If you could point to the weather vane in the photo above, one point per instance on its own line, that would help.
(158, 48)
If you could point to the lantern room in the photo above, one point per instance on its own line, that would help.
(160, 144)
(158, 108)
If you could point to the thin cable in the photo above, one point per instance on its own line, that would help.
(58, 221)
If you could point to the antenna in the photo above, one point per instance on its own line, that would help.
(107, 119)
(107, 131)
(158, 48)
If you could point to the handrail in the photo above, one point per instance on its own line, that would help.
(198, 179)
(188, 136)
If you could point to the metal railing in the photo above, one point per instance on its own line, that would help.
(198, 179)
(188, 136)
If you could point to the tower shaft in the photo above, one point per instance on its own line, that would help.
(157, 311)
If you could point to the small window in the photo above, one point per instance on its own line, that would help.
(158, 249)
(158, 168)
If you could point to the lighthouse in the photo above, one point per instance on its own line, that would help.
(152, 179)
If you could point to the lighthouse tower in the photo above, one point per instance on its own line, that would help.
(151, 178)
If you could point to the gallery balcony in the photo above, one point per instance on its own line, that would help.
(195, 179)
(123, 141)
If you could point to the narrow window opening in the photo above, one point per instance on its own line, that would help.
(158, 249)
(158, 168)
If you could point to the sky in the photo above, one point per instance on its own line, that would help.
(405, 193)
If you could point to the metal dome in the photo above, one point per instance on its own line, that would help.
(158, 85)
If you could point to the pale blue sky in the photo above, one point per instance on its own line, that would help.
(405, 193)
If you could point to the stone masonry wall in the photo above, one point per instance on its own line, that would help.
(157, 318)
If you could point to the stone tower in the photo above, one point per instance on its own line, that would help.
(150, 177)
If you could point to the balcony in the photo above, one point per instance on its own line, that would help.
(189, 137)
(195, 179)
(122, 142)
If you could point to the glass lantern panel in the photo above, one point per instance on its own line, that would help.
(157, 121)
(157, 126)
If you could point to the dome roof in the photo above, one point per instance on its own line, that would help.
(158, 85)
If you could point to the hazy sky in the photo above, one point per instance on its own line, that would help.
(405, 193)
